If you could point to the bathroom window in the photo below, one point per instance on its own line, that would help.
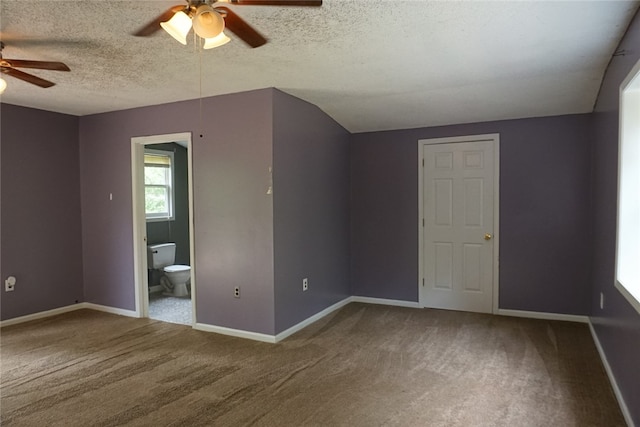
(158, 185)
(628, 238)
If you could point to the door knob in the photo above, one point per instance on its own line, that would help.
(487, 236)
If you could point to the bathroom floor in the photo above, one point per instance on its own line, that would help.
(170, 309)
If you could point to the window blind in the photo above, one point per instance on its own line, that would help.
(157, 160)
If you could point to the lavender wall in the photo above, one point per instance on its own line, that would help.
(40, 221)
(618, 324)
(233, 213)
(233, 216)
(311, 210)
(544, 212)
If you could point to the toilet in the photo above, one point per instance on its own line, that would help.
(162, 257)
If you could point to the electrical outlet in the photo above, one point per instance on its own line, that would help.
(601, 301)
(236, 292)
(305, 284)
(10, 284)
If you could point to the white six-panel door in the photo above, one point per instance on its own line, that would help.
(458, 233)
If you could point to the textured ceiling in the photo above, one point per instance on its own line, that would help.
(369, 64)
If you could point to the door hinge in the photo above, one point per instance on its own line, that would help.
(422, 162)
(423, 281)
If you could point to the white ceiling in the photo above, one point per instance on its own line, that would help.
(369, 64)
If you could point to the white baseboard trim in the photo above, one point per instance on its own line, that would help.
(218, 329)
(612, 378)
(239, 333)
(295, 328)
(41, 314)
(66, 309)
(543, 315)
(107, 309)
(383, 301)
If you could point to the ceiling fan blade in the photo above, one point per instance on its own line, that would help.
(275, 2)
(154, 25)
(41, 65)
(29, 78)
(239, 27)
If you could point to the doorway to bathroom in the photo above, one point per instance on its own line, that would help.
(162, 193)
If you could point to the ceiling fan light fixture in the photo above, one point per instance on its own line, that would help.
(207, 23)
(216, 41)
(3, 85)
(178, 26)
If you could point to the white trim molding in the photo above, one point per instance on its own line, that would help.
(288, 332)
(384, 301)
(111, 310)
(67, 309)
(273, 339)
(299, 326)
(139, 236)
(295, 328)
(41, 315)
(612, 378)
(543, 315)
(626, 275)
(238, 333)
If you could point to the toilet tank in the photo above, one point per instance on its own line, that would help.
(161, 255)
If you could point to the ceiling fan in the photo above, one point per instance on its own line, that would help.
(209, 21)
(8, 67)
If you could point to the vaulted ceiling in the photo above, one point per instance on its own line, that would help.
(369, 64)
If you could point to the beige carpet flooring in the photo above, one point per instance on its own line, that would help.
(364, 365)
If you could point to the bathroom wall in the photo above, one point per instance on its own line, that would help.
(544, 212)
(311, 210)
(40, 241)
(176, 230)
(617, 325)
(233, 215)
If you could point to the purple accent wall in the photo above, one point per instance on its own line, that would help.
(233, 215)
(40, 221)
(544, 212)
(618, 324)
(311, 210)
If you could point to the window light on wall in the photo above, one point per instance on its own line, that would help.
(628, 231)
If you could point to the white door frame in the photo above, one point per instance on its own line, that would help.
(495, 138)
(141, 282)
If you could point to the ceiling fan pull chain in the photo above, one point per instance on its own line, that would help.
(200, 107)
